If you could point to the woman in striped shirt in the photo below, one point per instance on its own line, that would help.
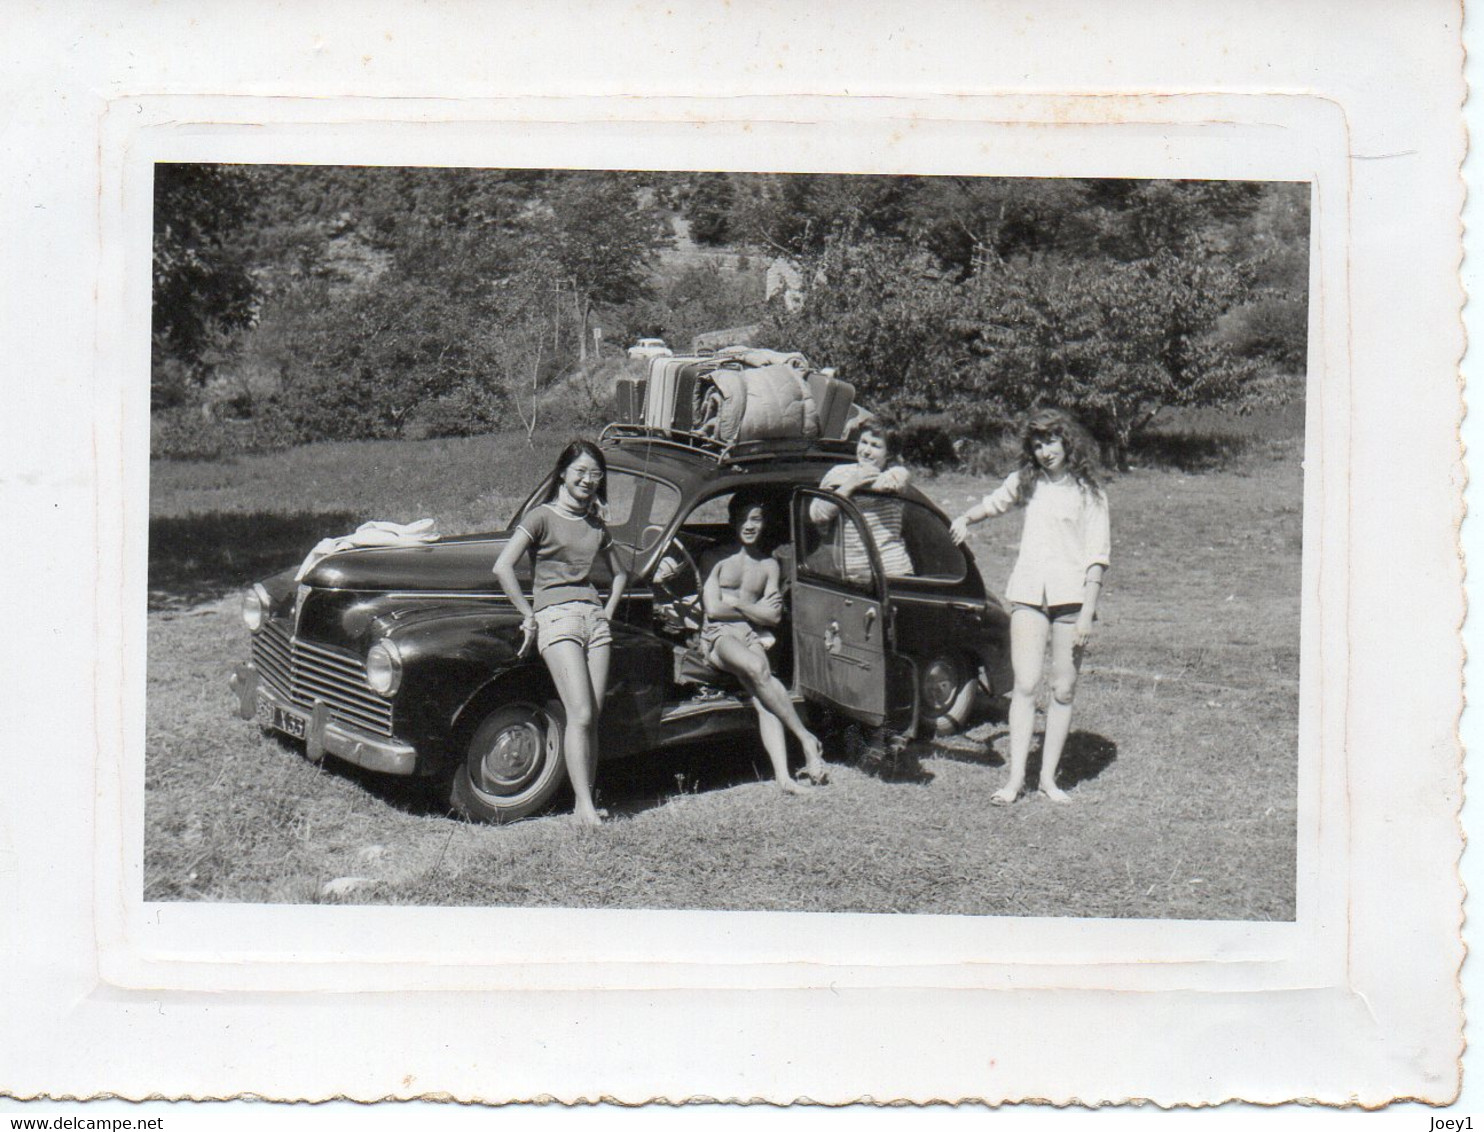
(877, 471)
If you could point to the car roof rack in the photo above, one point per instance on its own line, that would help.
(738, 452)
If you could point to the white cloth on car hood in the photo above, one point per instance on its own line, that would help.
(374, 533)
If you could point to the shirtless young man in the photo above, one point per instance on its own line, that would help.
(740, 596)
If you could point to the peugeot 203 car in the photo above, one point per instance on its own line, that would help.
(406, 660)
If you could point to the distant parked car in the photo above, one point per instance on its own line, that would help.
(650, 348)
(407, 660)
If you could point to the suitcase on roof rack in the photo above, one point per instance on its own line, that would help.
(659, 404)
(832, 400)
(628, 399)
(672, 383)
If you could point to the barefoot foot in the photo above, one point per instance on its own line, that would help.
(814, 769)
(1053, 793)
(1005, 796)
(588, 817)
(789, 786)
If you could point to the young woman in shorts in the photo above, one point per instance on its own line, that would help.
(1055, 585)
(564, 535)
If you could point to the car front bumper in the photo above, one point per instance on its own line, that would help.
(322, 735)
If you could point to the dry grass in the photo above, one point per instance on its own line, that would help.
(1182, 763)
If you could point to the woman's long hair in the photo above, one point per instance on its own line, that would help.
(1075, 441)
(576, 448)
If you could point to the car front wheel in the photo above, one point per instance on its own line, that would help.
(512, 764)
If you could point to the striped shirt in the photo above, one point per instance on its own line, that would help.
(883, 515)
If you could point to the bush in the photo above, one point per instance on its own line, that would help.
(187, 432)
(171, 380)
(955, 439)
(1188, 452)
(180, 434)
(348, 406)
(470, 410)
(924, 444)
(1274, 329)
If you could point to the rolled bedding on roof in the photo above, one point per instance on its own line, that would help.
(755, 404)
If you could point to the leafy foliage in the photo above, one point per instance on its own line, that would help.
(708, 209)
(691, 301)
(365, 302)
(203, 290)
(1114, 299)
(1115, 347)
(603, 242)
(884, 315)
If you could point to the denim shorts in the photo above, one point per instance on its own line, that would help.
(579, 621)
(1061, 614)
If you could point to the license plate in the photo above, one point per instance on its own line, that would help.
(271, 715)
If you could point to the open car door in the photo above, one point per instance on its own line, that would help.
(842, 626)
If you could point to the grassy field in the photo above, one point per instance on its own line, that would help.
(1182, 760)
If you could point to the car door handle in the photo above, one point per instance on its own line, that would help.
(832, 638)
(870, 622)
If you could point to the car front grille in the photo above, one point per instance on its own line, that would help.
(307, 674)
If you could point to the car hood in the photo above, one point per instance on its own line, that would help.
(453, 565)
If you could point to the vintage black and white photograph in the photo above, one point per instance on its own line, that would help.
(775, 556)
(725, 541)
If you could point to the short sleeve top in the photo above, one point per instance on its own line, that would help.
(1066, 532)
(563, 547)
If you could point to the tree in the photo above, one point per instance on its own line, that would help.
(884, 315)
(693, 300)
(437, 324)
(203, 291)
(604, 241)
(376, 296)
(801, 214)
(1272, 327)
(971, 223)
(515, 342)
(708, 208)
(1117, 345)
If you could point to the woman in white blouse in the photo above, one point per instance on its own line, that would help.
(1054, 587)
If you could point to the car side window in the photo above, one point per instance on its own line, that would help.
(930, 546)
(835, 550)
(710, 521)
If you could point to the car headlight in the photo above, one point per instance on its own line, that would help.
(384, 668)
(255, 607)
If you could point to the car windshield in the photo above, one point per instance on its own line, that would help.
(639, 508)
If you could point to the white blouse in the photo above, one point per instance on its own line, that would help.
(1066, 533)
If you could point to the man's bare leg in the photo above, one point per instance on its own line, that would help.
(775, 742)
(751, 667)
